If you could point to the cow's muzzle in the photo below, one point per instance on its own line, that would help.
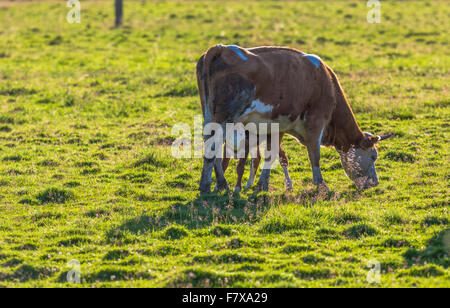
(368, 181)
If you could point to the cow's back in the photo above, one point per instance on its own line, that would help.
(298, 81)
(286, 79)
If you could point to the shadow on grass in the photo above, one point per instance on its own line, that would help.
(213, 209)
(199, 213)
(437, 251)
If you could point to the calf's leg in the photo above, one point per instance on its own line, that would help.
(263, 182)
(285, 163)
(253, 169)
(265, 175)
(225, 159)
(241, 167)
(240, 172)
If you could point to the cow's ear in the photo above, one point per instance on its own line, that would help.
(368, 141)
(384, 137)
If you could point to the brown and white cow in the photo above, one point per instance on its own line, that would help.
(297, 91)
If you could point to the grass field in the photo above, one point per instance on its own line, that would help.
(86, 171)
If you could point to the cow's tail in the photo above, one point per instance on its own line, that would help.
(201, 83)
(211, 54)
(203, 76)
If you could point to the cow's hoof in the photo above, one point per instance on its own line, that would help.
(204, 191)
(221, 187)
(205, 188)
(288, 185)
(323, 188)
(263, 186)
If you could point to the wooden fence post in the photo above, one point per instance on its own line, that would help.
(119, 12)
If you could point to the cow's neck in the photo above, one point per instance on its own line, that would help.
(343, 131)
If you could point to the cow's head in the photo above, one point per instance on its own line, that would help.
(359, 161)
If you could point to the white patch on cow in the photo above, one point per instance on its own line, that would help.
(299, 127)
(259, 113)
(258, 107)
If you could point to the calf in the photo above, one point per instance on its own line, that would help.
(298, 91)
(240, 167)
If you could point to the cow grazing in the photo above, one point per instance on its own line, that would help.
(298, 91)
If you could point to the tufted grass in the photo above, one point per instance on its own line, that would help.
(86, 171)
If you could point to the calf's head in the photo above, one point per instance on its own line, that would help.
(359, 161)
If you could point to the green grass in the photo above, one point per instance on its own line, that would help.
(86, 171)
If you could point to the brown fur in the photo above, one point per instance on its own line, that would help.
(306, 99)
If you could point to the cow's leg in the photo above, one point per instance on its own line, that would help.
(315, 129)
(225, 163)
(263, 182)
(205, 180)
(285, 163)
(241, 167)
(253, 169)
(220, 178)
(314, 157)
(240, 172)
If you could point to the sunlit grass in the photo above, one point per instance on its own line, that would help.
(86, 171)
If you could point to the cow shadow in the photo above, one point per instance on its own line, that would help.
(212, 209)
(201, 212)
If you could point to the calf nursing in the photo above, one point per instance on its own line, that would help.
(284, 162)
(298, 92)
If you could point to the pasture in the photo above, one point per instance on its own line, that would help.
(86, 171)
